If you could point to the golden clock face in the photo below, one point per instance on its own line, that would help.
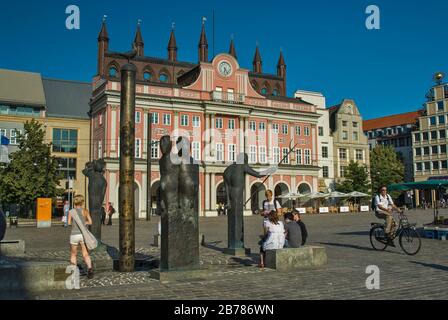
(225, 68)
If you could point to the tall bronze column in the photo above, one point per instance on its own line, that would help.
(127, 153)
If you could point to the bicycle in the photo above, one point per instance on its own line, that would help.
(406, 233)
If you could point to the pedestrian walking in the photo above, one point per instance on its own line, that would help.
(110, 213)
(78, 219)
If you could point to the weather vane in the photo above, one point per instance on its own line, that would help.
(139, 22)
(173, 26)
(104, 18)
(204, 19)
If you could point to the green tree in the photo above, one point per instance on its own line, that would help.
(385, 167)
(356, 179)
(32, 172)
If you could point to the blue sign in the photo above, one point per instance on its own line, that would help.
(4, 141)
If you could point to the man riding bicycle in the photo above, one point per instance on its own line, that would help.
(384, 207)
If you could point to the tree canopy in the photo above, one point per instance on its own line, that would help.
(356, 179)
(32, 172)
(385, 167)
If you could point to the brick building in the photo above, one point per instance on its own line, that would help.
(223, 108)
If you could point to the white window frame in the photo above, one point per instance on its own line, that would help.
(328, 172)
(284, 153)
(231, 124)
(298, 130)
(154, 149)
(230, 94)
(285, 129)
(196, 150)
(166, 119)
(276, 154)
(299, 156)
(184, 120)
(13, 136)
(220, 152)
(262, 154)
(232, 152)
(138, 150)
(262, 126)
(307, 131)
(219, 123)
(342, 171)
(252, 154)
(138, 117)
(307, 157)
(325, 154)
(275, 128)
(252, 126)
(359, 153)
(154, 117)
(196, 121)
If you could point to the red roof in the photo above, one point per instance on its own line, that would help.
(392, 121)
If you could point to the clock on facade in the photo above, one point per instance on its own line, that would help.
(225, 68)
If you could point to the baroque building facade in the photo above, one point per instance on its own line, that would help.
(223, 108)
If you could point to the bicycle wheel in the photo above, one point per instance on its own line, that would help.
(410, 241)
(378, 238)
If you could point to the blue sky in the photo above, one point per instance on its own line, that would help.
(326, 45)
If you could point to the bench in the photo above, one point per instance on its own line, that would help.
(288, 259)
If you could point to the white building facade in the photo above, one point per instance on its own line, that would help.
(325, 153)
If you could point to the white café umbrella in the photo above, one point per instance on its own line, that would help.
(357, 194)
(337, 195)
(292, 196)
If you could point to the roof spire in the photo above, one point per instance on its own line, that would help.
(172, 45)
(258, 63)
(103, 36)
(232, 50)
(138, 41)
(203, 43)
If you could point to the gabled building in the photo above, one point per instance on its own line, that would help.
(349, 141)
(222, 107)
(430, 137)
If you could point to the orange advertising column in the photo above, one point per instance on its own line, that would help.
(43, 213)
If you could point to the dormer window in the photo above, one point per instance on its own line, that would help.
(264, 91)
(275, 93)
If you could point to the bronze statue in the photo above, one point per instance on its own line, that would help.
(179, 185)
(97, 190)
(234, 179)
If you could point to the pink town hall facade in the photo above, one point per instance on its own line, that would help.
(221, 107)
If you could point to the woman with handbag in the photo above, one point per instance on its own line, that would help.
(79, 218)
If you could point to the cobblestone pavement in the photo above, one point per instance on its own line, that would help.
(345, 237)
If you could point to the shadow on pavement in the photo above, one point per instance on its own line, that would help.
(352, 246)
(431, 265)
(355, 233)
(212, 246)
